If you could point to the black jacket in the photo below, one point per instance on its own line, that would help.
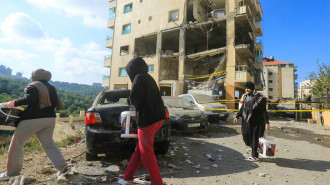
(31, 99)
(145, 95)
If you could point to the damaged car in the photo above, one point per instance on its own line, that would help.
(103, 126)
(184, 116)
(213, 110)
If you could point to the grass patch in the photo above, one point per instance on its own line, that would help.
(33, 143)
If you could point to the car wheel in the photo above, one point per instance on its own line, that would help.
(91, 157)
(162, 147)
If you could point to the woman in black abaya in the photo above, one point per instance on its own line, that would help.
(254, 119)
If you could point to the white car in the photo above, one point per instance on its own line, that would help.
(214, 110)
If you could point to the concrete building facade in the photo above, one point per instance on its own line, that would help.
(187, 44)
(279, 79)
(305, 88)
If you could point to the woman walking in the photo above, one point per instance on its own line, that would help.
(254, 119)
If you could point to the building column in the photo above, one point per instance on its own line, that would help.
(181, 67)
(231, 53)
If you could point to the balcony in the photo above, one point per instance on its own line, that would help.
(109, 42)
(243, 10)
(259, 46)
(243, 76)
(243, 50)
(243, 19)
(106, 81)
(112, 3)
(258, 12)
(110, 23)
(107, 61)
(295, 68)
(258, 29)
(295, 76)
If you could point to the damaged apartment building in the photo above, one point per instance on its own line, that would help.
(187, 44)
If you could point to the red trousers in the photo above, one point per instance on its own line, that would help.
(144, 153)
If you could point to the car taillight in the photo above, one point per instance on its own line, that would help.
(93, 118)
(167, 114)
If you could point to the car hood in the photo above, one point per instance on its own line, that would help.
(212, 105)
(185, 112)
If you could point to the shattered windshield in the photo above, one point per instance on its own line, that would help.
(118, 97)
(201, 98)
(178, 103)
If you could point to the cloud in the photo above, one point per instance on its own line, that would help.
(20, 25)
(93, 13)
(7, 55)
(68, 62)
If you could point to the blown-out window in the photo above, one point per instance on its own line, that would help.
(128, 8)
(122, 72)
(124, 50)
(173, 15)
(150, 68)
(126, 29)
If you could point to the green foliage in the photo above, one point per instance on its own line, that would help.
(65, 142)
(320, 80)
(86, 90)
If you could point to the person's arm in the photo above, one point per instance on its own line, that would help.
(137, 95)
(30, 97)
(239, 113)
(264, 112)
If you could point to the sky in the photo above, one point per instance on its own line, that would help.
(67, 37)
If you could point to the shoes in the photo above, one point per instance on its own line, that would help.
(253, 159)
(4, 177)
(123, 182)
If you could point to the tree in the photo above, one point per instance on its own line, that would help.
(320, 80)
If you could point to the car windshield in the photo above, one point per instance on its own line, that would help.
(201, 98)
(178, 103)
(115, 97)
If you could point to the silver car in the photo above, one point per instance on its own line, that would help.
(214, 110)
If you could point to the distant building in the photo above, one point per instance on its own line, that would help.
(305, 89)
(279, 79)
(5, 71)
(97, 84)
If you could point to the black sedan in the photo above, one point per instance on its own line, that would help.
(184, 116)
(103, 126)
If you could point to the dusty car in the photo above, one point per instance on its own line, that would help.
(214, 110)
(184, 116)
(103, 126)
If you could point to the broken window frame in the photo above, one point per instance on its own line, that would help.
(124, 52)
(126, 29)
(128, 8)
(173, 19)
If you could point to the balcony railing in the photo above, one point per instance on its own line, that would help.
(106, 81)
(258, 11)
(111, 23)
(107, 61)
(258, 29)
(295, 68)
(109, 42)
(295, 76)
(112, 3)
(242, 76)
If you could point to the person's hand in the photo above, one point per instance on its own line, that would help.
(267, 126)
(10, 104)
(235, 121)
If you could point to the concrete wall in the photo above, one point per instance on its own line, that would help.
(287, 82)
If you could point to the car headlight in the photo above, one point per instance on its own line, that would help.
(206, 110)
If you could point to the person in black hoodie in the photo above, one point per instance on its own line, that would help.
(254, 119)
(38, 119)
(150, 112)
